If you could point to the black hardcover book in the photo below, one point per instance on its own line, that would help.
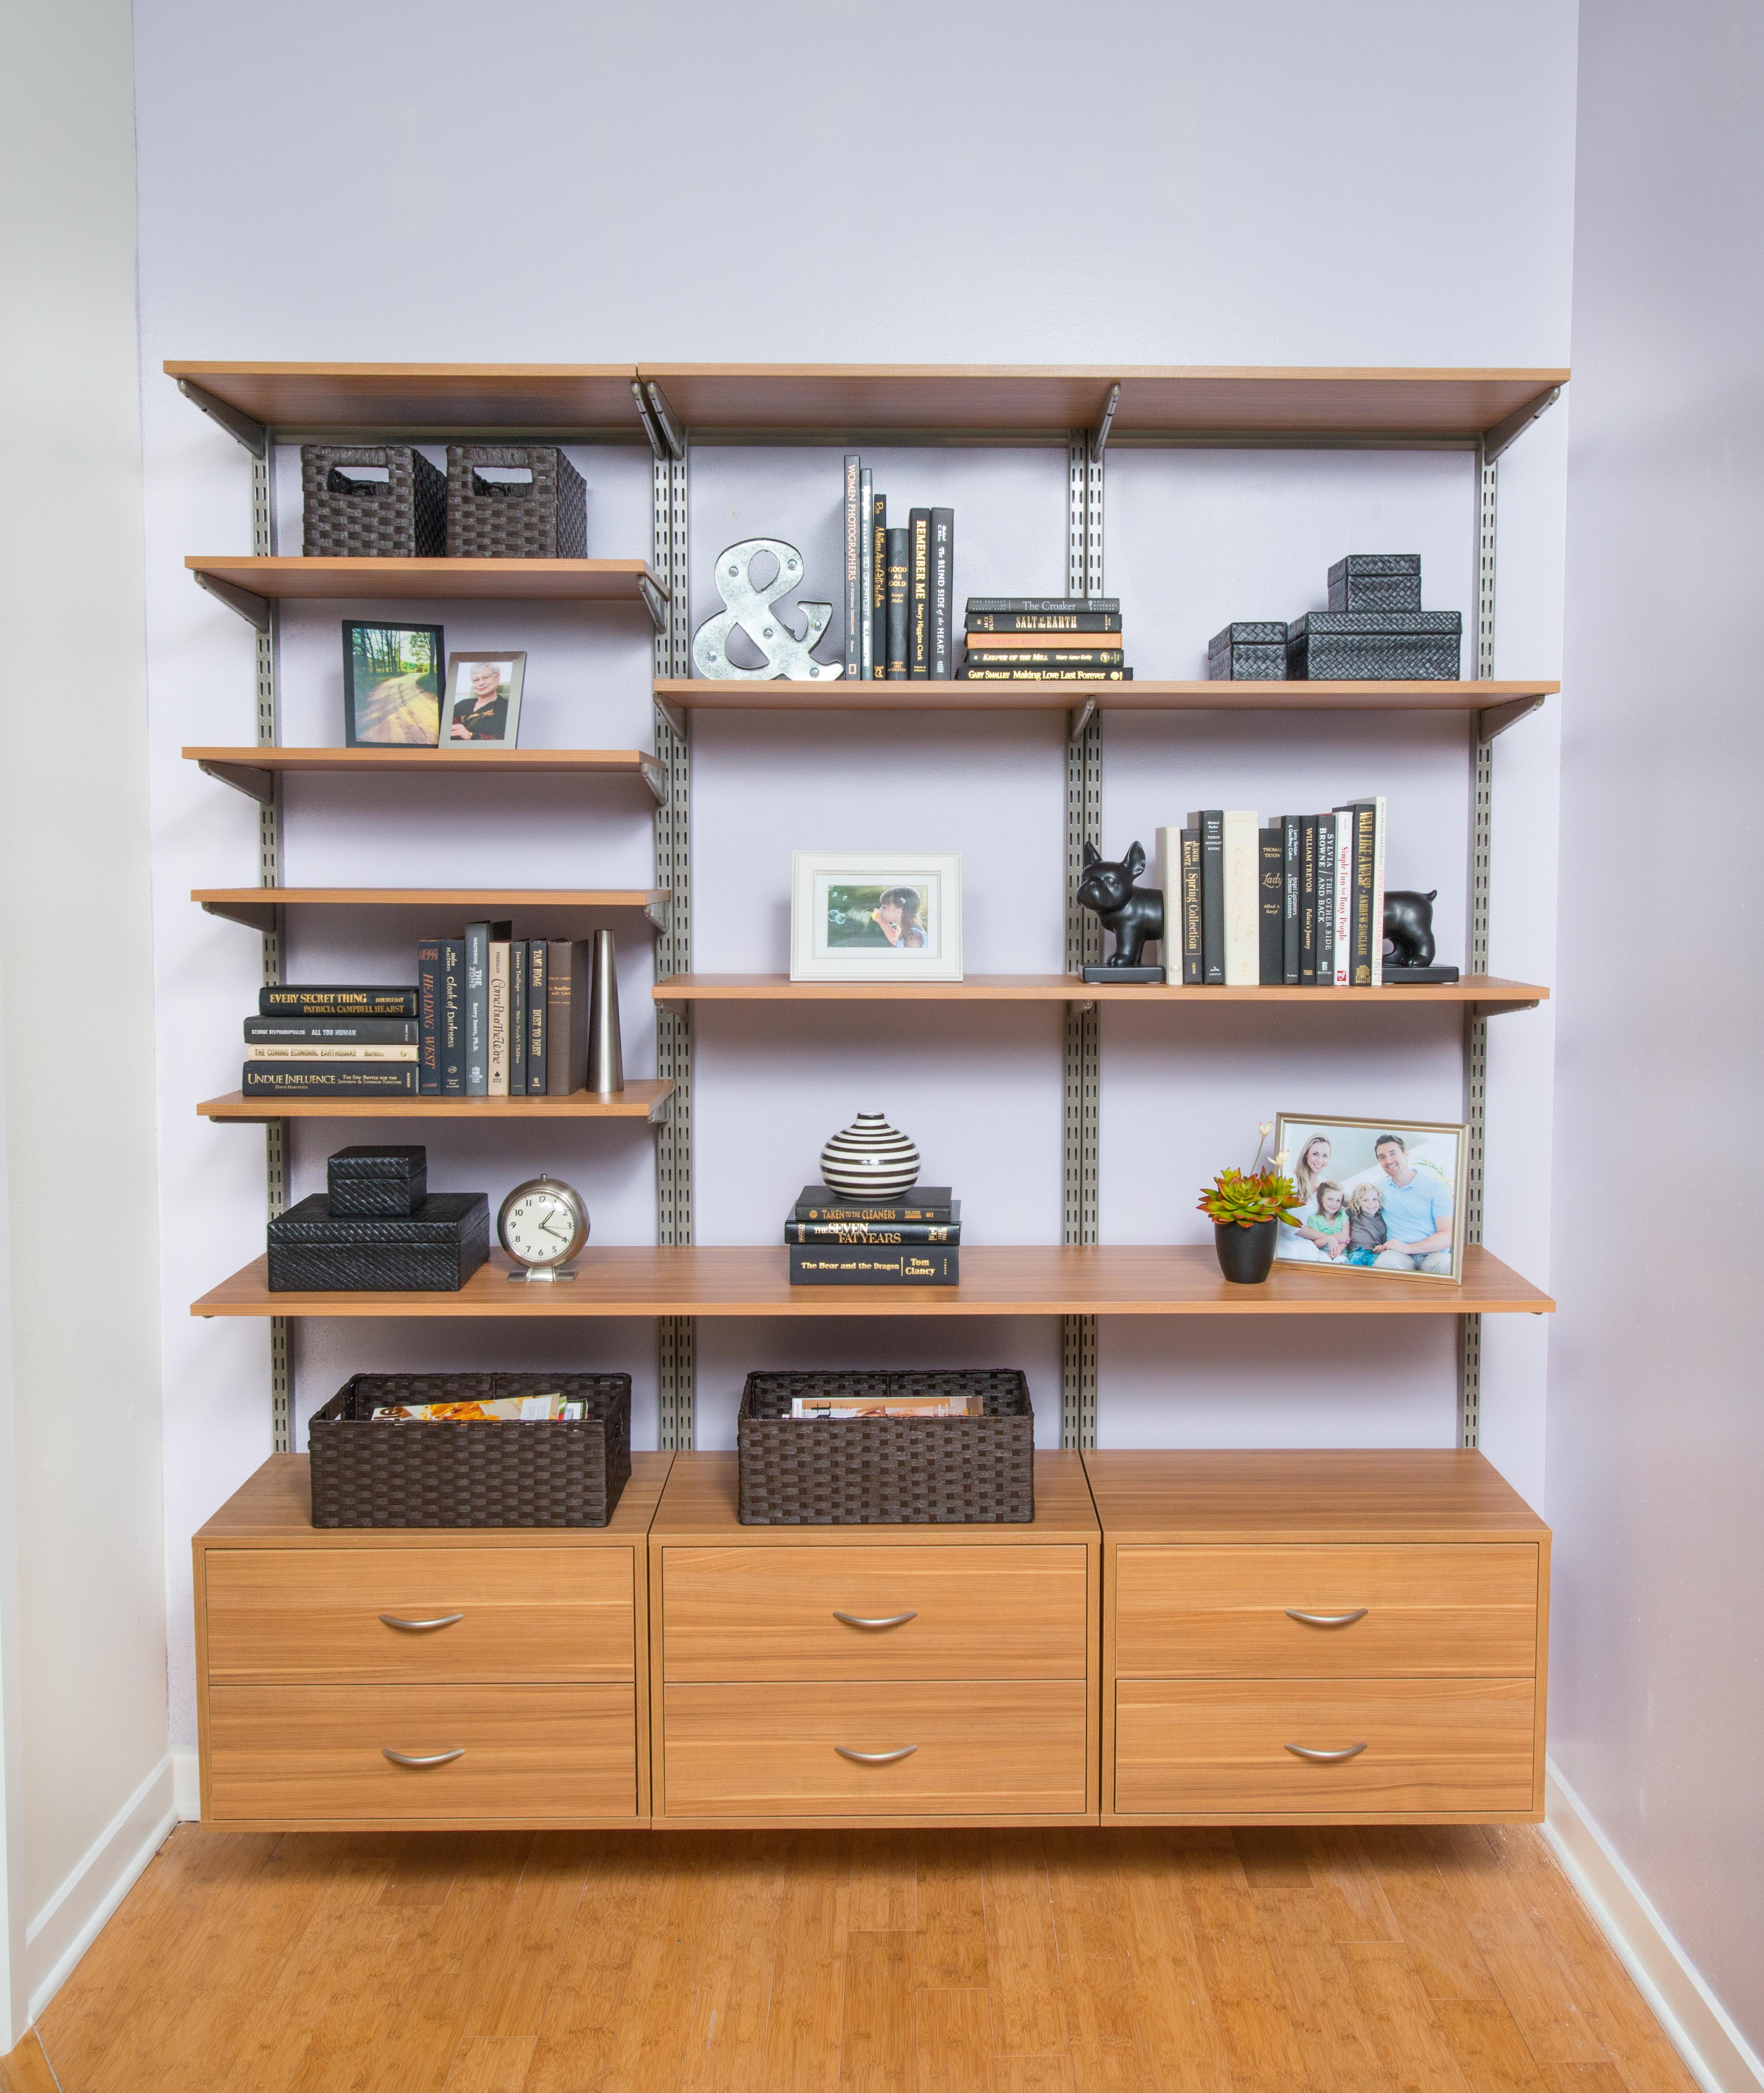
(979, 655)
(1292, 838)
(1212, 825)
(337, 1003)
(919, 611)
(900, 569)
(924, 1203)
(535, 1017)
(1271, 905)
(942, 644)
(867, 1233)
(878, 600)
(1307, 901)
(846, 1264)
(566, 1016)
(1325, 901)
(336, 1079)
(854, 565)
(338, 1032)
(428, 1018)
(450, 1018)
(517, 1017)
(1042, 606)
(1191, 909)
(1044, 621)
(975, 674)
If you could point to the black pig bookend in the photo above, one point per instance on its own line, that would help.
(1408, 945)
(1134, 914)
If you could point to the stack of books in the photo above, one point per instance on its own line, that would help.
(492, 1016)
(900, 586)
(1044, 639)
(912, 1241)
(1299, 903)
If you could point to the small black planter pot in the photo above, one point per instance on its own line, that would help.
(1246, 1255)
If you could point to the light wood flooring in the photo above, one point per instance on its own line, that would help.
(1369, 1961)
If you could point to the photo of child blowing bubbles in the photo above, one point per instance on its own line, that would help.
(1379, 1196)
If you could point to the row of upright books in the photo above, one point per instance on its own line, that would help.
(1298, 902)
(914, 1240)
(1044, 639)
(492, 1016)
(900, 586)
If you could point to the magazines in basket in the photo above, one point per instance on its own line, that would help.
(886, 1405)
(519, 1409)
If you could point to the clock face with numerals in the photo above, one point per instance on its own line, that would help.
(542, 1222)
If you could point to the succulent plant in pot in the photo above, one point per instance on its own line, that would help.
(1247, 1209)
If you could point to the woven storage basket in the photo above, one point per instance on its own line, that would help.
(403, 517)
(543, 518)
(887, 1471)
(486, 1474)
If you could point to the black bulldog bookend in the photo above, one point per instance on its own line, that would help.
(1134, 914)
(1409, 940)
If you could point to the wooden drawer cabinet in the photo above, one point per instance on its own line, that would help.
(512, 1666)
(864, 1676)
(1295, 1637)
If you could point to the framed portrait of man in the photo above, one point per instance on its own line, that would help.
(1383, 1196)
(864, 916)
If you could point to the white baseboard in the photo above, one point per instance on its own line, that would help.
(1719, 2057)
(187, 1785)
(67, 1925)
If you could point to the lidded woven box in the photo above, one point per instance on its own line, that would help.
(1252, 649)
(435, 1249)
(378, 1181)
(1375, 646)
(1376, 581)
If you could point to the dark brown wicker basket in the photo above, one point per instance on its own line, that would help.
(486, 1474)
(543, 518)
(403, 517)
(887, 1471)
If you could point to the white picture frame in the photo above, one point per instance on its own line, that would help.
(1388, 1160)
(875, 916)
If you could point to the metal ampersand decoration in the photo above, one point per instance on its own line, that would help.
(750, 609)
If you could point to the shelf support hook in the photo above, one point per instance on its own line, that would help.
(256, 784)
(1496, 438)
(1099, 435)
(655, 601)
(666, 421)
(241, 427)
(253, 609)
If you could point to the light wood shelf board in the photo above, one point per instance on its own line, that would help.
(591, 401)
(1487, 992)
(716, 694)
(595, 762)
(424, 580)
(639, 1100)
(1127, 1280)
(252, 905)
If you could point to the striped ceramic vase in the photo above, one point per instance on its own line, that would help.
(869, 1160)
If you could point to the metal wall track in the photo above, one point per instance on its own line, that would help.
(1475, 1026)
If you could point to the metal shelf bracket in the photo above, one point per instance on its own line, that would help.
(1099, 440)
(253, 607)
(246, 778)
(654, 602)
(672, 434)
(241, 427)
(1497, 439)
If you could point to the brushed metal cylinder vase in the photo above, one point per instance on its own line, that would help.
(606, 1054)
(869, 1160)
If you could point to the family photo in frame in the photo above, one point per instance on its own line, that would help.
(875, 916)
(1375, 1195)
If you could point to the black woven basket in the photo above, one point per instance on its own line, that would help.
(544, 517)
(887, 1471)
(403, 517)
(491, 1473)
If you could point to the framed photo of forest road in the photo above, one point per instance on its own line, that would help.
(483, 701)
(873, 915)
(1383, 1196)
(391, 684)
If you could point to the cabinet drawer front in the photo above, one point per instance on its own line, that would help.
(289, 1752)
(1221, 1613)
(527, 1614)
(772, 1750)
(1201, 1747)
(1010, 1612)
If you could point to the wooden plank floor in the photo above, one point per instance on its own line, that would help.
(1336, 1961)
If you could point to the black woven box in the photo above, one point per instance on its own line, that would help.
(887, 1471)
(434, 1251)
(377, 1181)
(500, 1473)
(545, 517)
(1252, 650)
(349, 517)
(1375, 646)
(1376, 581)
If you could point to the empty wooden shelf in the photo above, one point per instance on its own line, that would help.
(1116, 1279)
(255, 906)
(583, 402)
(641, 1100)
(1485, 993)
(253, 769)
(426, 581)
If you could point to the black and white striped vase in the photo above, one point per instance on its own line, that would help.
(869, 1160)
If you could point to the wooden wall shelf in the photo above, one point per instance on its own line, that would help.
(640, 1100)
(251, 770)
(585, 402)
(255, 906)
(1487, 993)
(429, 581)
(1118, 1279)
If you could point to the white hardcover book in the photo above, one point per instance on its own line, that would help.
(866, 574)
(1167, 876)
(319, 1050)
(1242, 868)
(498, 984)
(1344, 897)
(1378, 891)
(1326, 830)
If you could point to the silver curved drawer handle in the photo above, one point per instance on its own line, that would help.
(418, 1627)
(1319, 1620)
(875, 1758)
(887, 1621)
(419, 1758)
(1326, 1758)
